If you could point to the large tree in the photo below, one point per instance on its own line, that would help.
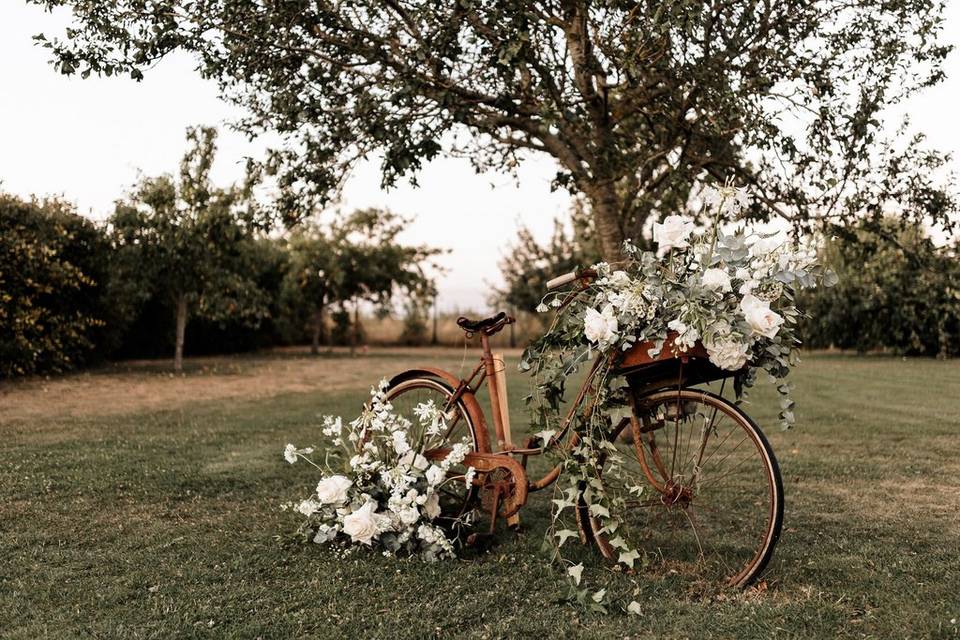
(638, 101)
(187, 240)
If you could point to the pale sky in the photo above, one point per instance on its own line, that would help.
(88, 140)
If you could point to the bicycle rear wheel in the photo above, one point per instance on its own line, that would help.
(712, 507)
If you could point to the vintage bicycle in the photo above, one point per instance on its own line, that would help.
(714, 508)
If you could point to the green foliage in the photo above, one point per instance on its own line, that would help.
(638, 102)
(896, 290)
(186, 242)
(53, 266)
(357, 258)
(343, 328)
(415, 332)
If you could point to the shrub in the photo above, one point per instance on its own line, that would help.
(53, 270)
(897, 290)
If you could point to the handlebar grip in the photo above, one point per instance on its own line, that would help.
(559, 281)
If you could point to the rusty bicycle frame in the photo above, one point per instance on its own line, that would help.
(510, 493)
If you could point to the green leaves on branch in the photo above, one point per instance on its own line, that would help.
(637, 103)
(53, 274)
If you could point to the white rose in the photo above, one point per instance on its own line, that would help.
(600, 327)
(333, 490)
(432, 506)
(673, 232)
(717, 279)
(619, 279)
(761, 319)
(729, 354)
(363, 524)
(435, 475)
(409, 515)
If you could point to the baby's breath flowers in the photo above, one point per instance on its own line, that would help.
(377, 487)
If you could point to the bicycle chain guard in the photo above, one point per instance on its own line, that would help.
(503, 482)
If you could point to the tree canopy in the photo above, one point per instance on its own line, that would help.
(896, 290)
(637, 101)
(53, 271)
(185, 239)
(358, 257)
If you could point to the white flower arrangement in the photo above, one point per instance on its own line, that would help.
(377, 488)
(730, 291)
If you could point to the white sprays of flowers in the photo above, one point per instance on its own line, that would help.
(386, 493)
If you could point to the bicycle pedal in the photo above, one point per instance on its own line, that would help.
(481, 541)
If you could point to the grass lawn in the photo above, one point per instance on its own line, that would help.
(137, 504)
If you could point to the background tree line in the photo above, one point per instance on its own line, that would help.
(184, 262)
(638, 103)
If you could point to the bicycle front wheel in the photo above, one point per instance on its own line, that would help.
(457, 498)
(712, 500)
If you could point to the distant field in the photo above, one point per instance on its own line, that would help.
(134, 503)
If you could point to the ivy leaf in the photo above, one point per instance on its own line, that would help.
(619, 543)
(634, 608)
(830, 278)
(564, 534)
(576, 572)
(598, 510)
(628, 558)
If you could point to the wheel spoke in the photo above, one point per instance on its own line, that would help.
(715, 508)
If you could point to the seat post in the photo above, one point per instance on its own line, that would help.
(494, 389)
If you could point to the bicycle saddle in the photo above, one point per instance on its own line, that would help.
(474, 326)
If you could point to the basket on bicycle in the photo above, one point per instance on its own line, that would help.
(671, 367)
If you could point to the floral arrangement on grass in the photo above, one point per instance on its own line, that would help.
(377, 489)
(730, 290)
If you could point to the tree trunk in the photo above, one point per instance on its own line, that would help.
(355, 334)
(181, 331)
(606, 219)
(317, 331)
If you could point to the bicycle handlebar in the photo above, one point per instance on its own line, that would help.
(559, 281)
(567, 278)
